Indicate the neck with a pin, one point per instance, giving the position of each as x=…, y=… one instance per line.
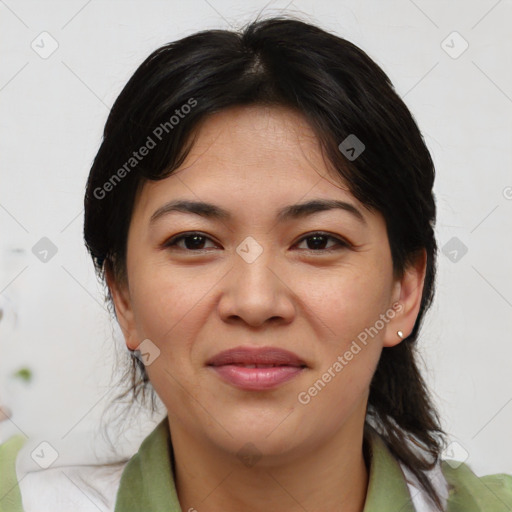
x=330, y=477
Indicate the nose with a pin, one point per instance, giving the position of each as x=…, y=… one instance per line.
x=255, y=293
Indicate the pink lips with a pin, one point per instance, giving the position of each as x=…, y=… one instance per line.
x=256, y=368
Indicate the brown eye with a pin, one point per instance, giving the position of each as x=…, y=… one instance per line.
x=322, y=242
x=190, y=242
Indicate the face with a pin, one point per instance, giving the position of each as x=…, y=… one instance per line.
x=305, y=295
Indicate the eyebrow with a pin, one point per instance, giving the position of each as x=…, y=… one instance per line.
x=294, y=211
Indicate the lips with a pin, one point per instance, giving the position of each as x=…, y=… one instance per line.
x=256, y=369
x=256, y=357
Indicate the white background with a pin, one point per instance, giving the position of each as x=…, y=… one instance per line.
x=53, y=111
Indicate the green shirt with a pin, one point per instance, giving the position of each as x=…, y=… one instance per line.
x=147, y=481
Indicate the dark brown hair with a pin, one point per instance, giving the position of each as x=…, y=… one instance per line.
x=340, y=91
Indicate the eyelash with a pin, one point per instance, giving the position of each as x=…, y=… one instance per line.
x=340, y=242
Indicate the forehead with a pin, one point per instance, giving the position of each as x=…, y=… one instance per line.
x=260, y=152
x=257, y=136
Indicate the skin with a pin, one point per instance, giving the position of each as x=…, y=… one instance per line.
x=192, y=304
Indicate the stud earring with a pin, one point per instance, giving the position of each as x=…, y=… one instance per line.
x=400, y=334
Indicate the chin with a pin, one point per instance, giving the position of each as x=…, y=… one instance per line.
x=269, y=437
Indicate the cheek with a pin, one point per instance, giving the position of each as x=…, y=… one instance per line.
x=348, y=352
x=170, y=306
x=345, y=307
x=171, y=310
x=345, y=301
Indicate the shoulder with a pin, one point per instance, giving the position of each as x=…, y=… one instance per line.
x=460, y=489
x=471, y=493
x=38, y=476
x=10, y=499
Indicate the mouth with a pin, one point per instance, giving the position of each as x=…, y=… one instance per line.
x=256, y=369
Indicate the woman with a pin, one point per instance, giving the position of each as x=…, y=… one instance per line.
x=261, y=210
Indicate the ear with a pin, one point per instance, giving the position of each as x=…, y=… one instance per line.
x=122, y=303
x=406, y=303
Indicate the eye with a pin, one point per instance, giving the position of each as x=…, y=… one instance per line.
x=322, y=242
x=190, y=242
x=314, y=242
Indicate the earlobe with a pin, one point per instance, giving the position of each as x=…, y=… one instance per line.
x=408, y=294
x=123, y=308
